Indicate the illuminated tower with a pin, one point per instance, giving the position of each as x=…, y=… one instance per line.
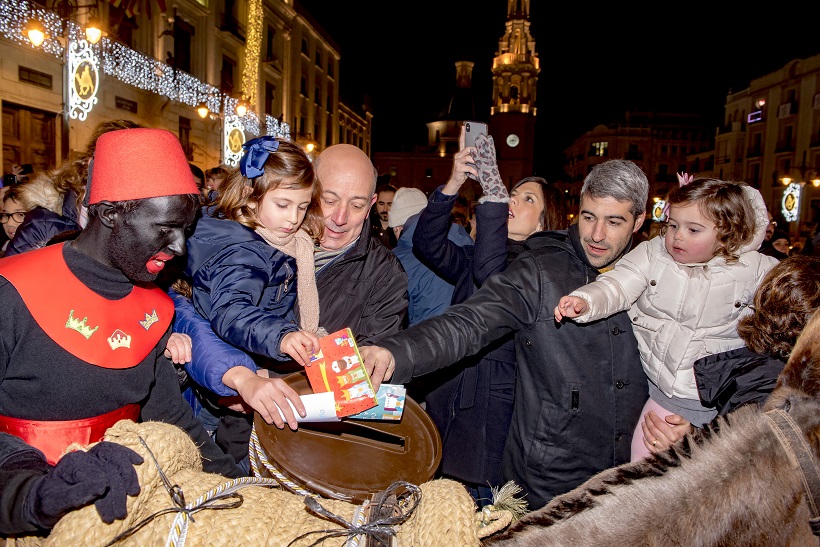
x=515, y=78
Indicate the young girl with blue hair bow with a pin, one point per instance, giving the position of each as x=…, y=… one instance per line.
x=249, y=256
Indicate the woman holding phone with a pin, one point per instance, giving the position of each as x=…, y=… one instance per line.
x=473, y=408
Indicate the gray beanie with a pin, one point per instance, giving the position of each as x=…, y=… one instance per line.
x=406, y=203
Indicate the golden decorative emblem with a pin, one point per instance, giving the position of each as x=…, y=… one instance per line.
x=80, y=326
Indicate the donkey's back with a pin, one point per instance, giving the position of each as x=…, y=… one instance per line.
x=731, y=484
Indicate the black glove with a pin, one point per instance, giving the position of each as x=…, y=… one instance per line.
x=105, y=475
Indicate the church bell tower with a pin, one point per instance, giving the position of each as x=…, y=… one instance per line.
x=515, y=78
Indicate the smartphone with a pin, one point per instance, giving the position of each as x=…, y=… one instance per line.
x=9, y=179
x=473, y=130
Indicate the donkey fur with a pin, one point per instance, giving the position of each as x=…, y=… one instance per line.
x=729, y=484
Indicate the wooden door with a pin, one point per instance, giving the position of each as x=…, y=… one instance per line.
x=29, y=136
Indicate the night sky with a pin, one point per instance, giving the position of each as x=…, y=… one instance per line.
x=596, y=63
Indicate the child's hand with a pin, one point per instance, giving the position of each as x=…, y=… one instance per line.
x=570, y=306
x=264, y=395
x=300, y=345
x=178, y=348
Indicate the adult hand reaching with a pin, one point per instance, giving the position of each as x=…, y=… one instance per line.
x=379, y=363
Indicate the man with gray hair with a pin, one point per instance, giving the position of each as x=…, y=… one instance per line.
x=580, y=388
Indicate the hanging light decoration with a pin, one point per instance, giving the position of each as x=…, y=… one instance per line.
x=36, y=32
x=93, y=30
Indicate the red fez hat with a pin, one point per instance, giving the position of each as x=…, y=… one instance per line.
x=138, y=163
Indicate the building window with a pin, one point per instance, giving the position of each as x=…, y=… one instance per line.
x=183, y=36
x=318, y=58
x=674, y=149
x=185, y=137
x=305, y=46
x=122, y=26
x=428, y=173
x=664, y=149
x=270, y=54
x=316, y=131
x=329, y=101
x=303, y=85
x=317, y=95
x=226, y=81
x=270, y=95
x=600, y=149
x=330, y=68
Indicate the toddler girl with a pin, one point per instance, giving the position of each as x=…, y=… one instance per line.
x=243, y=260
x=685, y=291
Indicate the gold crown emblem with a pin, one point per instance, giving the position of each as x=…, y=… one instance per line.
x=119, y=340
x=80, y=326
x=149, y=320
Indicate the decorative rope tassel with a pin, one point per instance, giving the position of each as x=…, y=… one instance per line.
x=506, y=508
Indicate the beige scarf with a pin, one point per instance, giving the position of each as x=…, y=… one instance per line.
x=299, y=245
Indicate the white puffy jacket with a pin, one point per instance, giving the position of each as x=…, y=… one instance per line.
x=680, y=312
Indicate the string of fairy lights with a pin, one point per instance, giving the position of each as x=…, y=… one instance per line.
x=144, y=72
x=253, y=51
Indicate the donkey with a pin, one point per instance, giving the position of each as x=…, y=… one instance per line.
x=732, y=483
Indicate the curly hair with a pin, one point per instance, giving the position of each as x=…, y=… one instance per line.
x=783, y=303
x=288, y=168
x=725, y=204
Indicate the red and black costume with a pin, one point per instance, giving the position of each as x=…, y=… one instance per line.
x=89, y=343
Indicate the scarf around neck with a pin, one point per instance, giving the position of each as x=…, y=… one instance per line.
x=299, y=245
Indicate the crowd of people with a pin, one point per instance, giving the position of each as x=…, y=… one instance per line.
x=544, y=351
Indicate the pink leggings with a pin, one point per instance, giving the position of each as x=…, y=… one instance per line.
x=639, y=450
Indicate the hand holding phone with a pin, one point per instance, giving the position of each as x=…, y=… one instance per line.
x=471, y=131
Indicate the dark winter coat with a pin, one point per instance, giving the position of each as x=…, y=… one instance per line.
x=471, y=403
x=43, y=223
x=579, y=389
x=244, y=286
x=733, y=378
x=364, y=289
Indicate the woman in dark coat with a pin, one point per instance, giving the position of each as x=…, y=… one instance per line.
x=471, y=403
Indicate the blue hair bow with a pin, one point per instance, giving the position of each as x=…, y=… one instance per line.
x=256, y=154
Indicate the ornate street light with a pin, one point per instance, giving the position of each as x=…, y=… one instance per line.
x=790, y=204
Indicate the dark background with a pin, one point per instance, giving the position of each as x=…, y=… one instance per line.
x=596, y=63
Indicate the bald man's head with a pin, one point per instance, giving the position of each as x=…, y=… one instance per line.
x=348, y=191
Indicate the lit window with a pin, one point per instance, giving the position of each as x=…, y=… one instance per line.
x=600, y=149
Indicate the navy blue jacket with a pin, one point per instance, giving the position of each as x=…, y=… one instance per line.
x=41, y=224
x=472, y=405
x=429, y=294
x=245, y=287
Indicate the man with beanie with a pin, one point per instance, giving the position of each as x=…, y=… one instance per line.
x=82, y=336
x=429, y=294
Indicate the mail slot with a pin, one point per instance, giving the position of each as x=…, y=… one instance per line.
x=351, y=459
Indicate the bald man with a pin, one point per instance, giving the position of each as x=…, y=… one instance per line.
x=362, y=285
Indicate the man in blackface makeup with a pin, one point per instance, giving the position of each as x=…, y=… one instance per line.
x=82, y=335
